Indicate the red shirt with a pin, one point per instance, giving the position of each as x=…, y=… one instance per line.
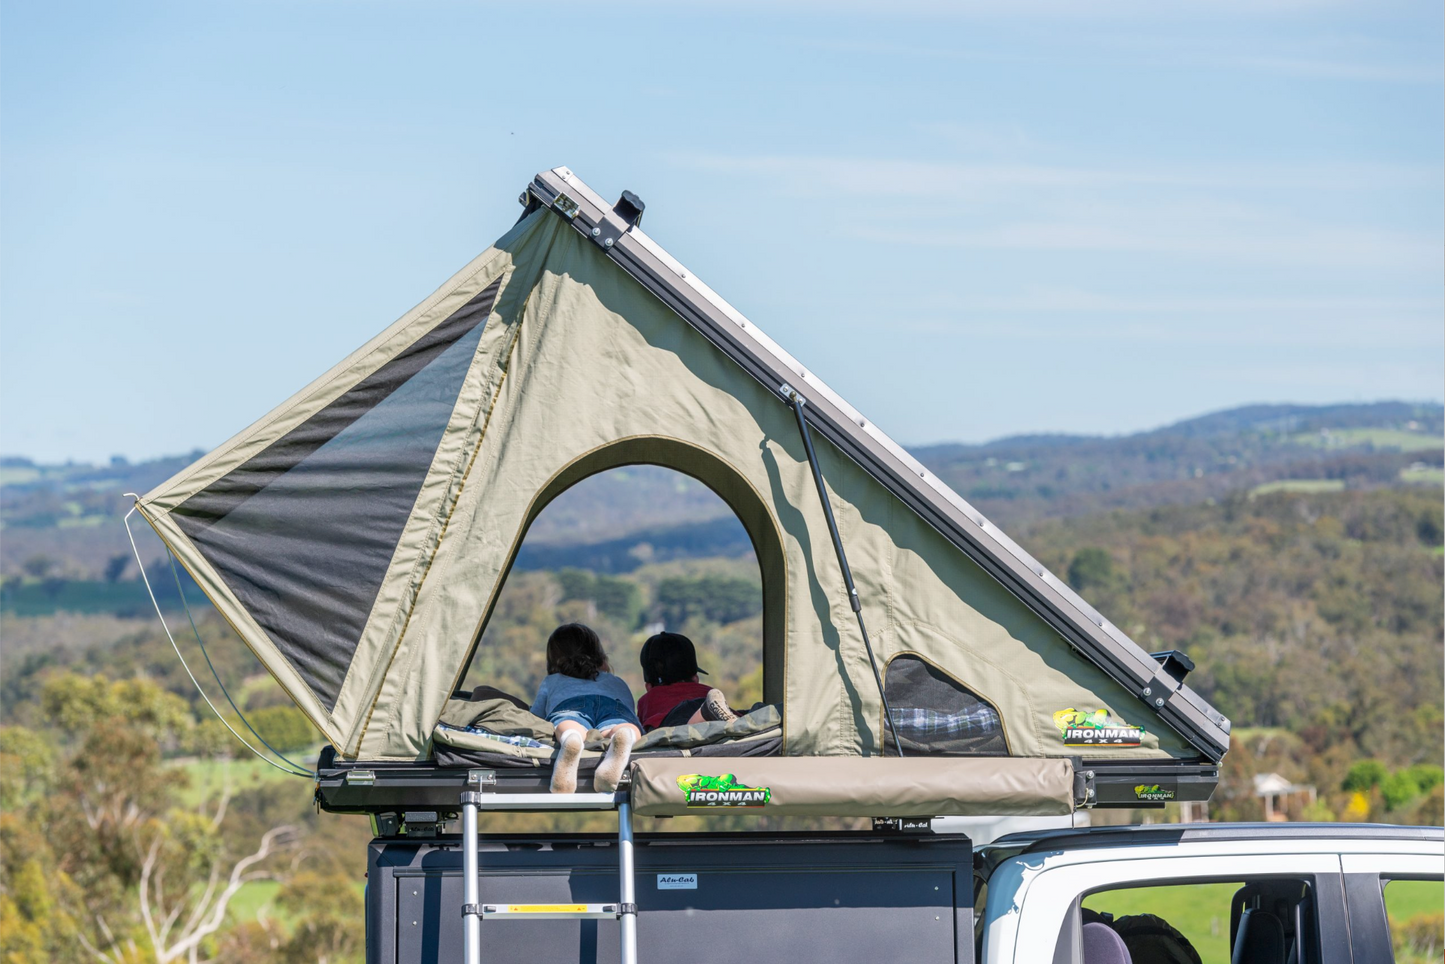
x=657, y=702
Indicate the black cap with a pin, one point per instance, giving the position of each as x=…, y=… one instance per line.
x=669, y=658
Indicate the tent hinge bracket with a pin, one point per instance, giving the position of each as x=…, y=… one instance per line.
x=612, y=225
x=608, y=231
x=1158, y=691
x=1085, y=793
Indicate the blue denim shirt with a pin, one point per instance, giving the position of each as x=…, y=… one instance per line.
x=556, y=688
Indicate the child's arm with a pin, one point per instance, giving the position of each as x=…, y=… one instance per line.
x=540, y=703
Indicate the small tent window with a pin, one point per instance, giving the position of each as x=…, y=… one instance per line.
x=938, y=716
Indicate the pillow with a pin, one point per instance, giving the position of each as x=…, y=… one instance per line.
x=766, y=717
x=500, y=716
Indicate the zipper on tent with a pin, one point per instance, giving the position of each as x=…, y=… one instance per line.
x=798, y=402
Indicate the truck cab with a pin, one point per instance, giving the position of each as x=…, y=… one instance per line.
x=1257, y=893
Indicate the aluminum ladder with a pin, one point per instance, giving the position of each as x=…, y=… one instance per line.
x=474, y=911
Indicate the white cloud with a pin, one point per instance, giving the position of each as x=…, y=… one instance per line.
x=894, y=177
x=1257, y=213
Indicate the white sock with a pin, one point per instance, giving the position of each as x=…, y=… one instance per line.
x=614, y=763
x=564, y=769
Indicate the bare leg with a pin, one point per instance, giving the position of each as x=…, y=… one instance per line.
x=619, y=752
x=569, y=750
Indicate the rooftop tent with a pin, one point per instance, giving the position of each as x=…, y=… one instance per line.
x=357, y=536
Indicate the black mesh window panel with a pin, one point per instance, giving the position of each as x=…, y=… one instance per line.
x=304, y=531
x=936, y=715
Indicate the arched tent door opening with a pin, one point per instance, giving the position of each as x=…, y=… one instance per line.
x=620, y=598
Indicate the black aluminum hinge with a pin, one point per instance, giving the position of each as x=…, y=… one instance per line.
x=626, y=909
x=471, y=910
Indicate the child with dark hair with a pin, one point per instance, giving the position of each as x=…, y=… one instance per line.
x=580, y=694
x=674, y=696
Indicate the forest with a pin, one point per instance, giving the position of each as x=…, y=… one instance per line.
x=134, y=826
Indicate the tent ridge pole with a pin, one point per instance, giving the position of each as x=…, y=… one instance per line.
x=798, y=402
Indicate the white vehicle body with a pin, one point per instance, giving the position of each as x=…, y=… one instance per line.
x=1030, y=914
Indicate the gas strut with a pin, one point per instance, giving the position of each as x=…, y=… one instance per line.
x=798, y=402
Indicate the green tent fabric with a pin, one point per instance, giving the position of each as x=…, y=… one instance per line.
x=357, y=536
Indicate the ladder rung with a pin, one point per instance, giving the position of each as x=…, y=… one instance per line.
x=547, y=801
x=551, y=911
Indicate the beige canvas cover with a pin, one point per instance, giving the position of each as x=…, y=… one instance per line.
x=358, y=535
x=958, y=787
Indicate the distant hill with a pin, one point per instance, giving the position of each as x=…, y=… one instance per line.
x=61, y=522
x=1017, y=480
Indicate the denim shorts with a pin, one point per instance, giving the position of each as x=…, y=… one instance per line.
x=593, y=712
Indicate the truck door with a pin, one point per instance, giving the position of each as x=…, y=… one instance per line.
x=1395, y=905
x=1244, y=908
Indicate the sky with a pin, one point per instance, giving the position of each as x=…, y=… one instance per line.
x=972, y=220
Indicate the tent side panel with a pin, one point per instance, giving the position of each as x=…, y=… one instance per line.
x=303, y=531
x=371, y=453
x=365, y=700
x=241, y=622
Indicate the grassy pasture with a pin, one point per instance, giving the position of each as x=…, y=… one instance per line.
x=1308, y=486
x=1423, y=475
x=1380, y=438
x=210, y=776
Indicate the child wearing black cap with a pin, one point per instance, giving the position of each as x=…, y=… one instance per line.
x=674, y=696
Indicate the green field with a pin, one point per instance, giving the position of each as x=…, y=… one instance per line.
x=209, y=777
x=1423, y=475
x=1310, y=486
x=251, y=898
x=1198, y=911
x=41, y=598
x=1409, y=898
x=1380, y=438
x=1201, y=911
x=19, y=474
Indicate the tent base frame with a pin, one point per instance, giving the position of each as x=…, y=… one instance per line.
x=387, y=791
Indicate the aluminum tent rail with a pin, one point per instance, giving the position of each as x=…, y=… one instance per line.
x=474, y=911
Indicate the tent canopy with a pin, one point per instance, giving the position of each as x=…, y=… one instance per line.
x=358, y=535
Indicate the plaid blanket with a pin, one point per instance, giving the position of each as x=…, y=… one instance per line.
x=927, y=725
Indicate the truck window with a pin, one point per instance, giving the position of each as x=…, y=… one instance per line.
x=1417, y=921
x=1199, y=923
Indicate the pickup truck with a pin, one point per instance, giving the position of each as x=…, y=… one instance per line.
x=1286, y=893
x=1243, y=893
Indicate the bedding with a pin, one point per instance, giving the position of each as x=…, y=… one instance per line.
x=496, y=733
